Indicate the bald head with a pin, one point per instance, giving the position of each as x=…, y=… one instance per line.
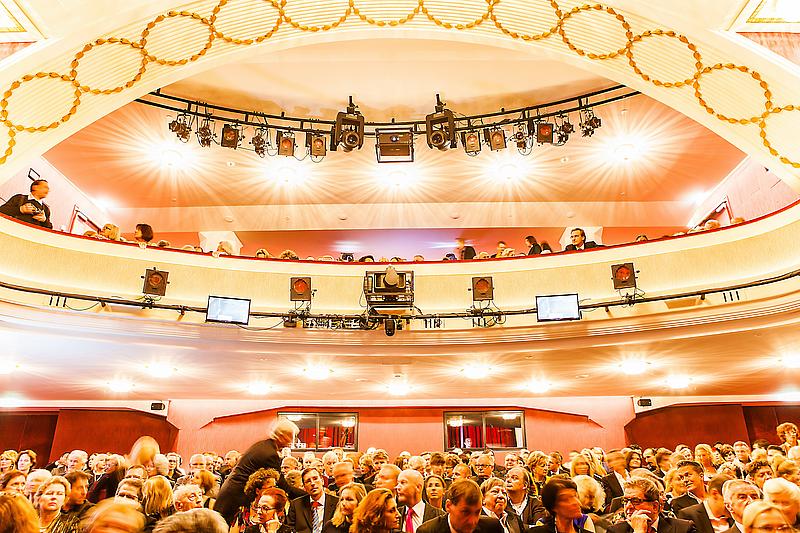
x=409, y=487
x=387, y=477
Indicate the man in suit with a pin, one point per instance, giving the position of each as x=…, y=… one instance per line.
x=484, y=468
x=579, y=242
x=30, y=208
x=690, y=473
x=414, y=512
x=463, y=505
x=307, y=514
x=738, y=494
x=612, y=483
x=262, y=454
x=532, y=245
x=528, y=507
x=711, y=516
x=643, y=506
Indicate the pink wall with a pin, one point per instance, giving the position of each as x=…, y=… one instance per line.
x=578, y=422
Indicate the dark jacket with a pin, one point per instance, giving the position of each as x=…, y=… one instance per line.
x=439, y=524
x=430, y=513
x=665, y=525
x=586, y=245
x=697, y=514
x=299, y=515
x=11, y=208
x=683, y=502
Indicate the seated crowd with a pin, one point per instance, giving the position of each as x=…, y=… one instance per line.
x=32, y=209
x=724, y=488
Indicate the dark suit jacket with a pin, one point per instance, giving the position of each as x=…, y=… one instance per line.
x=535, y=250
x=513, y=521
x=697, y=514
x=533, y=512
x=586, y=246
x=11, y=208
x=665, y=525
x=439, y=524
x=262, y=454
x=468, y=252
x=430, y=513
x=299, y=515
x=612, y=487
x=682, y=503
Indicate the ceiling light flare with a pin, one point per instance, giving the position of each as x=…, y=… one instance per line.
x=317, y=373
x=120, y=385
x=258, y=388
x=678, y=381
x=10, y=402
x=477, y=371
x=8, y=367
x=791, y=361
x=538, y=385
x=161, y=370
x=633, y=367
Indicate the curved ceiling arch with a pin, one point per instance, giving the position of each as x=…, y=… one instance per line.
x=725, y=83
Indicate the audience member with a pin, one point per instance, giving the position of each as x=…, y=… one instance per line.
x=643, y=511
x=194, y=521
x=350, y=496
x=17, y=515
x=377, y=513
x=26, y=461
x=13, y=481
x=30, y=208
x=143, y=234
x=578, y=241
x=112, y=516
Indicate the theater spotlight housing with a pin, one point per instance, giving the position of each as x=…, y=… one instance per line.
x=260, y=142
x=316, y=144
x=394, y=145
x=440, y=129
x=482, y=289
x=624, y=276
x=231, y=136
x=155, y=282
x=495, y=138
x=300, y=289
x=205, y=132
x=544, y=132
x=285, y=142
x=348, y=130
x=471, y=141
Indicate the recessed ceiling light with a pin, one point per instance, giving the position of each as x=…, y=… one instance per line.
x=349, y=422
x=160, y=370
x=538, y=385
x=633, y=367
x=678, y=381
x=565, y=159
x=582, y=376
x=171, y=158
x=317, y=373
x=476, y=371
x=120, y=385
x=7, y=367
x=231, y=163
x=258, y=388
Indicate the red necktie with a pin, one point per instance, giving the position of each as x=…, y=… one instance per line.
x=410, y=521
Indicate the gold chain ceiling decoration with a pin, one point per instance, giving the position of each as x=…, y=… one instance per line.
x=558, y=30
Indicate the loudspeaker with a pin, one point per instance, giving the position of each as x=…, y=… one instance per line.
x=644, y=402
x=158, y=406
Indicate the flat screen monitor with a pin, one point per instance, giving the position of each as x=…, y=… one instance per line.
x=228, y=310
x=557, y=307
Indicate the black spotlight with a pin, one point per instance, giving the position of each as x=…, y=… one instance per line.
x=495, y=138
x=590, y=122
x=471, y=141
x=390, y=326
x=394, y=145
x=231, y=136
x=564, y=129
x=624, y=276
x=300, y=289
x=315, y=142
x=482, y=289
x=205, y=132
x=285, y=142
x=260, y=142
x=181, y=127
x=440, y=127
x=155, y=282
x=349, y=129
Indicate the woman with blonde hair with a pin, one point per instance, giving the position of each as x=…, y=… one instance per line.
x=377, y=513
x=17, y=514
x=112, y=515
x=157, y=498
x=349, y=497
x=597, y=466
x=704, y=455
x=760, y=516
x=51, y=497
x=7, y=461
x=26, y=461
x=205, y=480
x=110, y=232
x=539, y=465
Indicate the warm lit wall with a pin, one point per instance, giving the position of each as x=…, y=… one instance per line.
x=28, y=431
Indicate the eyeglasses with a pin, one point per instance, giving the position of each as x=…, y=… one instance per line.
x=483, y=466
x=265, y=508
x=636, y=501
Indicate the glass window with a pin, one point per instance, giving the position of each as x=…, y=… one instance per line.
x=484, y=429
x=322, y=431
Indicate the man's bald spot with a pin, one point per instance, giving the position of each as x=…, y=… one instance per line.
x=412, y=476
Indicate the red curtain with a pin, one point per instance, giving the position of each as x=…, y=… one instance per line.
x=500, y=437
x=457, y=437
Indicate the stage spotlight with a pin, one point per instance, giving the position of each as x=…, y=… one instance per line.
x=590, y=122
x=389, y=326
x=563, y=130
x=624, y=276
x=521, y=139
x=471, y=141
x=181, y=127
x=285, y=142
x=349, y=129
x=394, y=145
x=300, y=289
x=205, y=132
x=482, y=289
x=231, y=136
x=155, y=282
x=495, y=138
x=315, y=143
x=544, y=132
x=260, y=141
x=440, y=127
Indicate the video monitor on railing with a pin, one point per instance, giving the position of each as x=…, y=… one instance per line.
x=228, y=310
x=557, y=307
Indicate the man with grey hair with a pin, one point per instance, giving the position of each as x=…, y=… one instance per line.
x=784, y=495
x=188, y=497
x=643, y=502
x=738, y=494
x=417, y=462
x=194, y=521
x=262, y=454
x=76, y=461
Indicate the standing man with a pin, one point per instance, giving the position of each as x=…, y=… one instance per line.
x=307, y=514
x=30, y=208
x=262, y=454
